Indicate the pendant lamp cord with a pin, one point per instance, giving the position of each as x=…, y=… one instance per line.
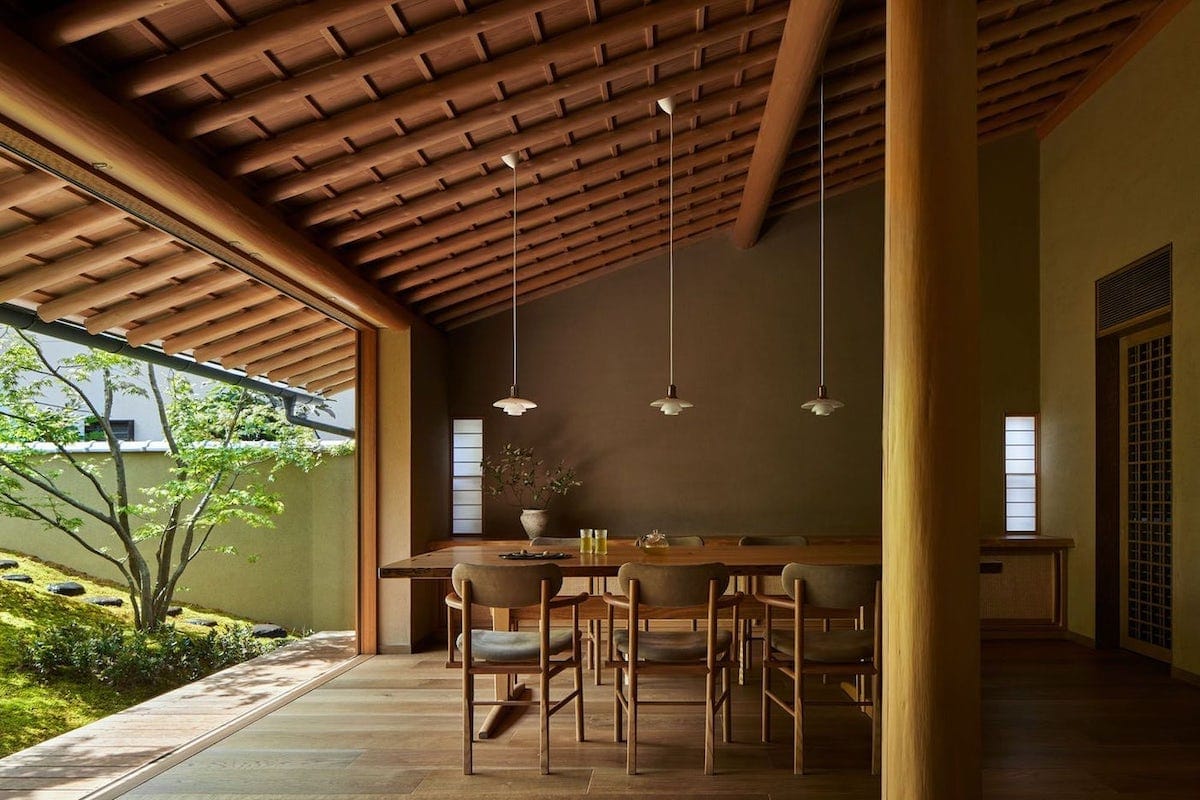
x=514, y=271
x=821, y=218
x=671, y=245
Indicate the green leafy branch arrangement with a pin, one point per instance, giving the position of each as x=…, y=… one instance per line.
x=523, y=480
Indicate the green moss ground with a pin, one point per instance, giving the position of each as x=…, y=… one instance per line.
x=33, y=711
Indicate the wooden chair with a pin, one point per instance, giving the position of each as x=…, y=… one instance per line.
x=760, y=584
x=568, y=544
x=488, y=652
x=823, y=592
x=686, y=591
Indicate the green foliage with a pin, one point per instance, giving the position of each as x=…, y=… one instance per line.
x=35, y=708
x=227, y=445
x=523, y=480
x=110, y=655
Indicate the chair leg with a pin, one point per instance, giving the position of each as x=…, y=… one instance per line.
x=798, y=721
x=544, y=719
x=579, y=701
x=710, y=714
x=726, y=708
x=765, y=711
x=876, y=725
x=618, y=709
x=596, y=629
x=631, y=744
x=468, y=715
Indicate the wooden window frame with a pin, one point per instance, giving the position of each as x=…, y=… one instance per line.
x=1037, y=473
x=450, y=510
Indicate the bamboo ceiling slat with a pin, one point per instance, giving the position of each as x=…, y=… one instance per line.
x=199, y=314
x=48, y=275
x=125, y=312
x=272, y=309
x=154, y=274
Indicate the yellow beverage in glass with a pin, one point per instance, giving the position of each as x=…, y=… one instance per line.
x=600, y=541
x=586, y=542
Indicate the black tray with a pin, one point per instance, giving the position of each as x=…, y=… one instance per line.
x=524, y=555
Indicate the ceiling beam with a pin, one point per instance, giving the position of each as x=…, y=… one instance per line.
x=30, y=186
x=1149, y=27
x=294, y=355
x=224, y=326
x=57, y=105
x=431, y=96
x=197, y=314
x=288, y=28
x=125, y=312
x=264, y=340
x=48, y=275
x=574, y=84
x=805, y=37
x=179, y=266
x=350, y=70
x=63, y=227
x=78, y=20
x=558, y=132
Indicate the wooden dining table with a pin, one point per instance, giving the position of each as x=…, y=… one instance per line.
x=758, y=560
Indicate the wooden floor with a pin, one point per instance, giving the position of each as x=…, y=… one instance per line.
x=1061, y=722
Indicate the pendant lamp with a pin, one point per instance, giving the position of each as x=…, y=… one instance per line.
x=514, y=405
x=671, y=405
x=823, y=405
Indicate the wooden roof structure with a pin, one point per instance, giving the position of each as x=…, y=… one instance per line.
x=374, y=132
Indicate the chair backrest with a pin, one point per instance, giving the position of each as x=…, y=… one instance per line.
x=833, y=586
x=499, y=586
x=671, y=586
x=754, y=541
x=686, y=541
x=554, y=541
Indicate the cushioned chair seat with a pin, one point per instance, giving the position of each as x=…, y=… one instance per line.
x=671, y=645
x=830, y=648
x=509, y=646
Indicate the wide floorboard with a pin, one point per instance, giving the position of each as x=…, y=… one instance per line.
x=1060, y=721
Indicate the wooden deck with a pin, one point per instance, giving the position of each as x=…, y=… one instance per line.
x=168, y=728
x=1060, y=721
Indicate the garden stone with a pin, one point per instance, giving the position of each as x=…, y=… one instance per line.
x=7, y=563
x=174, y=611
x=111, y=602
x=267, y=630
x=204, y=623
x=18, y=578
x=66, y=589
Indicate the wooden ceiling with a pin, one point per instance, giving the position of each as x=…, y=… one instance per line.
x=377, y=129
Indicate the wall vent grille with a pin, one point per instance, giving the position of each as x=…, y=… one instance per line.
x=1134, y=293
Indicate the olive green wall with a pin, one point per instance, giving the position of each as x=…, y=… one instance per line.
x=746, y=459
x=304, y=575
x=1120, y=178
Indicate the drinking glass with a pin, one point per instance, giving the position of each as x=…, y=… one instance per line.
x=586, y=542
x=600, y=541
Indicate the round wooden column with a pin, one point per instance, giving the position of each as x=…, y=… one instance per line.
x=931, y=406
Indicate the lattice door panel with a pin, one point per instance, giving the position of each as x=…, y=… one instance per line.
x=1146, y=492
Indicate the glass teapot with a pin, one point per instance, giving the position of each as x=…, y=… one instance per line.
x=653, y=540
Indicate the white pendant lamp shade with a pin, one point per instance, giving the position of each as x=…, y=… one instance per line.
x=514, y=405
x=671, y=405
x=822, y=405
